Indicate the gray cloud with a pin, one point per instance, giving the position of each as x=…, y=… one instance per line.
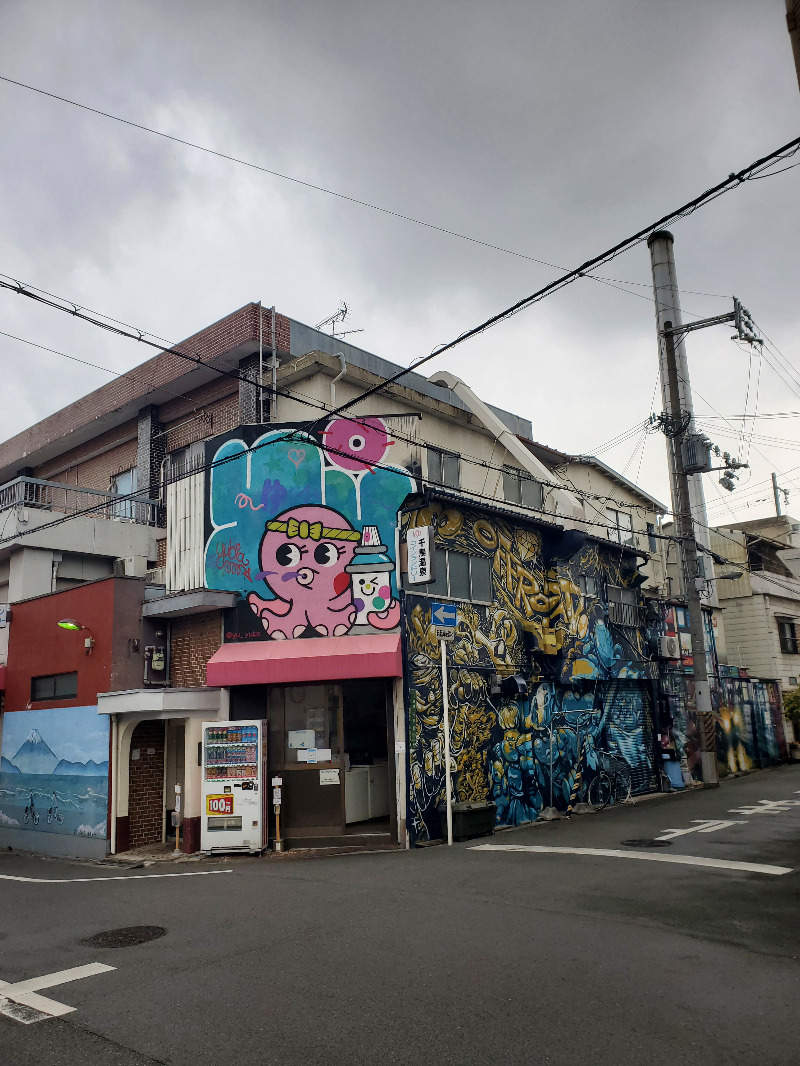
x=550, y=129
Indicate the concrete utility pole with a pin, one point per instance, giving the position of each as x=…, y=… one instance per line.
x=776, y=492
x=688, y=502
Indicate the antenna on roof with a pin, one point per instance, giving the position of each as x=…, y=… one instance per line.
x=337, y=316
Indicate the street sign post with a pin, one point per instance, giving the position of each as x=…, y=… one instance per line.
x=444, y=617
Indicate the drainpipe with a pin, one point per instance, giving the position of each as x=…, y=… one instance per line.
x=339, y=376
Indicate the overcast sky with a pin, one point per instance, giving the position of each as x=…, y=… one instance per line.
x=554, y=129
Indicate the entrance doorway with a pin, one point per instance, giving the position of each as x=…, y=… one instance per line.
x=146, y=784
x=330, y=744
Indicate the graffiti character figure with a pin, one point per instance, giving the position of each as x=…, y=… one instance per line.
x=356, y=446
x=304, y=554
x=372, y=591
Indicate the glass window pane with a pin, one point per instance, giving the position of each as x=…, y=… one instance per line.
x=532, y=494
x=451, y=471
x=437, y=587
x=458, y=565
x=66, y=685
x=311, y=721
x=625, y=528
x=511, y=486
x=612, y=516
x=43, y=688
x=481, y=571
x=434, y=466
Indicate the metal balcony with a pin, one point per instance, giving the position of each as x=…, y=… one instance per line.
x=72, y=499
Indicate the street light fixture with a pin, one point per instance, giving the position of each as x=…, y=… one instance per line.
x=74, y=626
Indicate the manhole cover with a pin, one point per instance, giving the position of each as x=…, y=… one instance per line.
x=127, y=937
x=646, y=843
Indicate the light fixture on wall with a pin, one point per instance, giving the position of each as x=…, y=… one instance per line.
x=75, y=626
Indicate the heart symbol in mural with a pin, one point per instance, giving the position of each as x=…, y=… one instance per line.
x=296, y=456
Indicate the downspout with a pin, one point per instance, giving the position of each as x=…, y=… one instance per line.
x=572, y=507
x=339, y=376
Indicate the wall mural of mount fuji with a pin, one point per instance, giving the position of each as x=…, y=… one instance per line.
x=54, y=771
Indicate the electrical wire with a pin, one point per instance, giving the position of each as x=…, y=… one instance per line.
x=320, y=188
x=309, y=401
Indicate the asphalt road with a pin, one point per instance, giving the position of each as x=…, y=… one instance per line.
x=439, y=956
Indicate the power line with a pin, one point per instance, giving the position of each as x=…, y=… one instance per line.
x=321, y=188
x=308, y=401
x=531, y=514
x=731, y=182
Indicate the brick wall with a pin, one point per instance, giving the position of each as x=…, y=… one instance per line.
x=233, y=331
x=193, y=641
x=217, y=416
x=92, y=464
x=146, y=785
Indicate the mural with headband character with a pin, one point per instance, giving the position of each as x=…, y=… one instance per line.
x=302, y=525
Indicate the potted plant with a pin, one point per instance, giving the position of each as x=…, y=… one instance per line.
x=791, y=711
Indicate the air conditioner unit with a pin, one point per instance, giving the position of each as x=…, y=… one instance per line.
x=130, y=566
x=669, y=648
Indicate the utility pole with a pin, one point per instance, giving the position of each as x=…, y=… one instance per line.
x=776, y=492
x=688, y=502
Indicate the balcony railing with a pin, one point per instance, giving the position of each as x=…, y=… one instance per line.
x=628, y=615
x=72, y=499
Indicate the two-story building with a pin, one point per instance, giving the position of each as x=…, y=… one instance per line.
x=272, y=527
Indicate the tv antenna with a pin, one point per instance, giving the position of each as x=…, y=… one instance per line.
x=338, y=316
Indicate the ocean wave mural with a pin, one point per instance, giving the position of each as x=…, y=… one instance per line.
x=54, y=772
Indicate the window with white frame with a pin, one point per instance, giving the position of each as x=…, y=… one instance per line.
x=124, y=484
x=519, y=487
x=444, y=468
x=457, y=576
x=621, y=526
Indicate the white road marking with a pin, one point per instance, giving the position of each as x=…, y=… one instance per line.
x=680, y=860
x=766, y=807
x=94, y=880
x=35, y=1008
x=700, y=826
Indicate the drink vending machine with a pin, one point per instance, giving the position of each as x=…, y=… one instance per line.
x=234, y=797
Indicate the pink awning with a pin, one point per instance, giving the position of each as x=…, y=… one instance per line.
x=285, y=662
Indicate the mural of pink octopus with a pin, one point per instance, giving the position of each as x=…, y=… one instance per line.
x=304, y=553
x=356, y=446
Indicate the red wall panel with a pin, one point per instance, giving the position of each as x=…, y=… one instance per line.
x=37, y=646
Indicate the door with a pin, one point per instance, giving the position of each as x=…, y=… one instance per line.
x=306, y=751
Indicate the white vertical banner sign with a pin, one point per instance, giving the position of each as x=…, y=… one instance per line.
x=420, y=558
x=448, y=783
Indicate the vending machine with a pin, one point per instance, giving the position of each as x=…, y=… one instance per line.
x=234, y=797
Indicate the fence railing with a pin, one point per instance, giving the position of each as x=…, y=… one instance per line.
x=72, y=499
x=628, y=615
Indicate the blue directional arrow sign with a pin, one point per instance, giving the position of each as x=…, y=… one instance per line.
x=444, y=614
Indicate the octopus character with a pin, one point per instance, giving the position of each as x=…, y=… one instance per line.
x=356, y=446
x=304, y=555
x=371, y=570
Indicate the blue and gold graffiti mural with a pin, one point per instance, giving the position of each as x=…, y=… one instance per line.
x=302, y=526
x=546, y=621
